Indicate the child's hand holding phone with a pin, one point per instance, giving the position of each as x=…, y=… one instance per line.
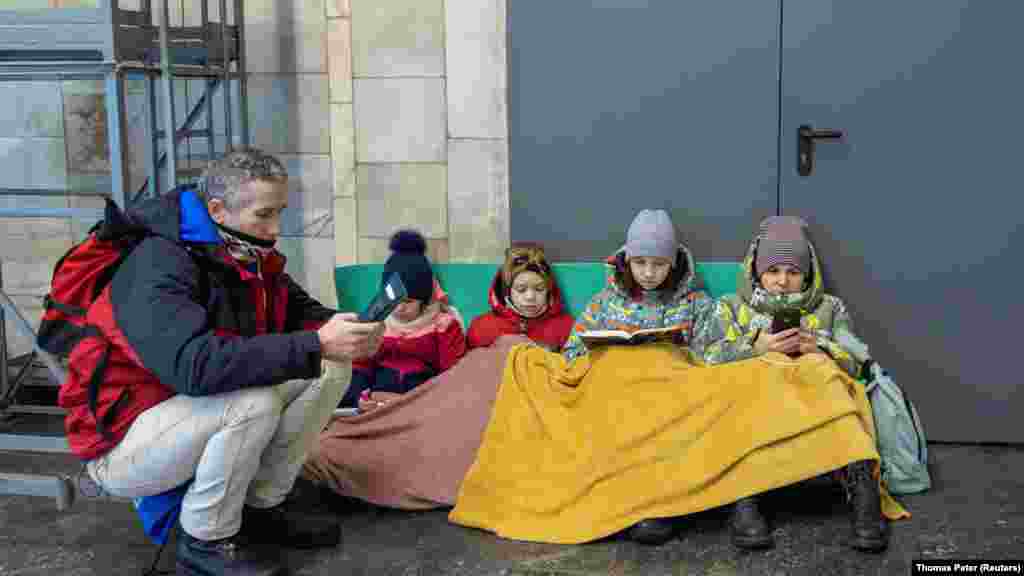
x=785, y=342
x=808, y=343
x=785, y=334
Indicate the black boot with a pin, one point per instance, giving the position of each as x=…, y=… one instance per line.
x=226, y=557
x=286, y=526
x=870, y=529
x=653, y=531
x=749, y=528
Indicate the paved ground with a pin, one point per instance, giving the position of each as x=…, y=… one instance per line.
x=975, y=510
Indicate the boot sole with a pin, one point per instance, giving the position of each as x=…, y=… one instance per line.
x=648, y=540
x=748, y=543
x=865, y=545
x=186, y=568
x=327, y=540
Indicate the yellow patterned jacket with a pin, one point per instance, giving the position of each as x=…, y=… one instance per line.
x=728, y=332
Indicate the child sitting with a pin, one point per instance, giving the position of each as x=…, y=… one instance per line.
x=524, y=300
x=412, y=452
x=653, y=284
x=423, y=335
x=781, y=272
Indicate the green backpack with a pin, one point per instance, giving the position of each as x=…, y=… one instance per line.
x=901, y=441
x=900, y=438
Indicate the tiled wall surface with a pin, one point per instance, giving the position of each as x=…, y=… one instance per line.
x=388, y=113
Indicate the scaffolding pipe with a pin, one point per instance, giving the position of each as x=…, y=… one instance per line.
x=208, y=83
x=205, y=101
x=226, y=68
x=166, y=68
x=115, y=104
x=45, y=192
x=152, y=144
x=79, y=213
x=243, y=93
x=56, y=371
x=4, y=382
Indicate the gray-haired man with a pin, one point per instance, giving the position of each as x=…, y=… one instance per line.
x=218, y=381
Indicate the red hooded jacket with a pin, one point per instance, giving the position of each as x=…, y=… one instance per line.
x=550, y=328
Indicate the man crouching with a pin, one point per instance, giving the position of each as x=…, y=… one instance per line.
x=211, y=372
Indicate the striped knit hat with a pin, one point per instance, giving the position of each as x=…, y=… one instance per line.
x=782, y=240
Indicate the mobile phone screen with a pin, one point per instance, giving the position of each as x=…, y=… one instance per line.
x=785, y=320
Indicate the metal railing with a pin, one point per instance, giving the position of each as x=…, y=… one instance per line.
x=113, y=45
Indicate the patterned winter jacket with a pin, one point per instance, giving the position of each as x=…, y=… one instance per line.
x=728, y=333
x=614, y=309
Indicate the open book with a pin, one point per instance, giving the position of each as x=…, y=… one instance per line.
x=604, y=337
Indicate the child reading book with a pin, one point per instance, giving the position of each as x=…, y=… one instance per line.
x=652, y=287
x=652, y=290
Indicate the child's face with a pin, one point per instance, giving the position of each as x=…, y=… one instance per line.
x=650, y=271
x=530, y=293
x=408, y=310
x=782, y=279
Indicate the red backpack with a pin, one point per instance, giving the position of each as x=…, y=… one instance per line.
x=79, y=277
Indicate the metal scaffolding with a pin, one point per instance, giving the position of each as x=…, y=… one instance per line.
x=115, y=45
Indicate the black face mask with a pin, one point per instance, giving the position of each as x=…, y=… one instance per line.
x=258, y=242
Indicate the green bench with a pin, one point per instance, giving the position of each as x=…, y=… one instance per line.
x=467, y=285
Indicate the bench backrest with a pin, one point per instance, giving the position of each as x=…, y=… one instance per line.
x=467, y=284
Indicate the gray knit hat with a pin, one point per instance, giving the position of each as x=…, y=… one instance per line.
x=782, y=240
x=652, y=234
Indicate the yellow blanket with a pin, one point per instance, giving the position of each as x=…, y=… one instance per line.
x=577, y=451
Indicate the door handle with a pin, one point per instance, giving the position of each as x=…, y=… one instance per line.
x=806, y=136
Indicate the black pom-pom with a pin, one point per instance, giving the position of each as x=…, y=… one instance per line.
x=408, y=241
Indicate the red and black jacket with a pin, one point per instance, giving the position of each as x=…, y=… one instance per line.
x=551, y=328
x=183, y=317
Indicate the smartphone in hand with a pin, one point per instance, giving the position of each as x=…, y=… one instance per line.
x=784, y=320
x=384, y=303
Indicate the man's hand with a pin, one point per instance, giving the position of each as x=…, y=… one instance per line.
x=786, y=342
x=342, y=338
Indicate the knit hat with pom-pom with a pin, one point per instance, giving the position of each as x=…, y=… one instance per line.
x=408, y=249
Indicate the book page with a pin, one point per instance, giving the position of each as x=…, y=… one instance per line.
x=650, y=331
x=605, y=334
x=596, y=337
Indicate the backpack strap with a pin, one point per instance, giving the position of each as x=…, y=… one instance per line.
x=49, y=302
x=96, y=380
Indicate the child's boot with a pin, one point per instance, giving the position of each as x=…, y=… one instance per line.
x=749, y=528
x=870, y=529
x=653, y=531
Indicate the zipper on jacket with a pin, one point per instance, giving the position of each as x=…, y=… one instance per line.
x=267, y=311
